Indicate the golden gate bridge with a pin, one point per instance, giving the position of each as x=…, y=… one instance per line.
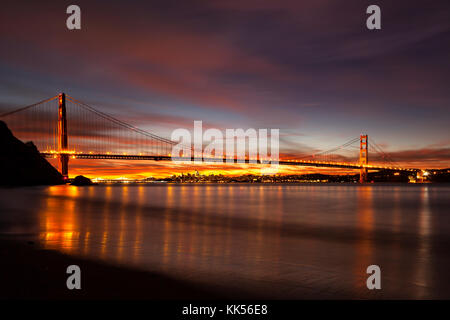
x=63, y=127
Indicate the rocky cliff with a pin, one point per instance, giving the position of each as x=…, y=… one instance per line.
x=21, y=164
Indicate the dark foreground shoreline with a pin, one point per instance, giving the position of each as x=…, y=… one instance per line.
x=29, y=272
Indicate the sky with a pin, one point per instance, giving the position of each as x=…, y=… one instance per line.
x=309, y=68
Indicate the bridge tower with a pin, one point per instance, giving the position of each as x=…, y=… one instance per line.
x=62, y=136
x=363, y=157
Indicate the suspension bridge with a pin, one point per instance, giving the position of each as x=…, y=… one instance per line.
x=63, y=127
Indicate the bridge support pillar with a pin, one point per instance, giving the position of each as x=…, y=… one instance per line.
x=64, y=160
x=363, y=157
x=62, y=136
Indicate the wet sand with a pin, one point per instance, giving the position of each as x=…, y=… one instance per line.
x=29, y=272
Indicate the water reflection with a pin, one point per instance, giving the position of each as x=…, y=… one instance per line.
x=60, y=230
x=278, y=240
x=138, y=240
x=424, y=258
x=365, y=226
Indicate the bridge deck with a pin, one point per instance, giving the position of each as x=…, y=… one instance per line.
x=327, y=164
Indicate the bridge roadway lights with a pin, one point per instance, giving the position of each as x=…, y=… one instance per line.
x=64, y=158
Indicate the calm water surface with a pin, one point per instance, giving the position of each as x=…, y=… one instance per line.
x=274, y=241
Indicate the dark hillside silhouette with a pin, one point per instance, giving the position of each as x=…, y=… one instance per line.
x=21, y=164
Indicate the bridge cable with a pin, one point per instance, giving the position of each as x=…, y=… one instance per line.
x=27, y=107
